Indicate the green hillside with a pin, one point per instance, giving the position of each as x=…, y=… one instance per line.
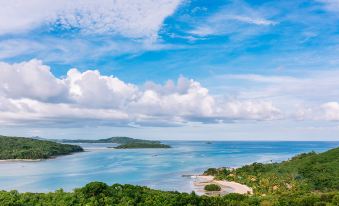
x=304, y=172
x=28, y=148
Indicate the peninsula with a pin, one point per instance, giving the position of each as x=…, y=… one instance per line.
x=21, y=148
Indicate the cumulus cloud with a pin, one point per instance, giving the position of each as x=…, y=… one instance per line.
x=132, y=18
x=29, y=80
x=309, y=97
x=30, y=93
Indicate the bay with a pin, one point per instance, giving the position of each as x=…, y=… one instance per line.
x=156, y=168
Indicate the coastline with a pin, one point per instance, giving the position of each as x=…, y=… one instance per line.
x=22, y=160
x=200, y=181
x=38, y=160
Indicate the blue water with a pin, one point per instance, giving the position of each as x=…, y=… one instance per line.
x=156, y=168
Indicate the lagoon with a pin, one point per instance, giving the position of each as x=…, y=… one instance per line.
x=155, y=168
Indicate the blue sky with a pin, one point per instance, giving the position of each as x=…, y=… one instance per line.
x=187, y=69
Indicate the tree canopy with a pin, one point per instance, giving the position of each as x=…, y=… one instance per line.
x=28, y=148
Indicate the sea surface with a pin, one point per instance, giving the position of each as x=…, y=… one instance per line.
x=155, y=168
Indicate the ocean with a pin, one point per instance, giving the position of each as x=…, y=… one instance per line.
x=156, y=168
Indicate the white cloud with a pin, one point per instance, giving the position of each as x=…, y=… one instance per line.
x=312, y=96
x=132, y=18
x=30, y=93
x=30, y=80
x=331, y=111
x=252, y=20
x=237, y=17
x=17, y=47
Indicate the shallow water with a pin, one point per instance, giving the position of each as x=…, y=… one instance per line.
x=156, y=168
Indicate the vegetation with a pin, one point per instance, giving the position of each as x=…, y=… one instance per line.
x=117, y=140
x=141, y=145
x=217, y=171
x=28, y=148
x=125, y=142
x=212, y=187
x=309, y=172
x=100, y=194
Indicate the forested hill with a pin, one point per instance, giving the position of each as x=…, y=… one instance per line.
x=117, y=140
x=308, y=172
x=124, y=142
x=28, y=148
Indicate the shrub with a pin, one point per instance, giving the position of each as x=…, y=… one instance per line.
x=212, y=187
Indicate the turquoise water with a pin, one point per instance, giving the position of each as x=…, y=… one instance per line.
x=156, y=168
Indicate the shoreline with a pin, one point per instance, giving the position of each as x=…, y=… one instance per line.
x=22, y=160
x=200, y=181
x=38, y=160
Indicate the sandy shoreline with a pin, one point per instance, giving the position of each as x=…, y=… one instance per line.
x=21, y=160
x=200, y=181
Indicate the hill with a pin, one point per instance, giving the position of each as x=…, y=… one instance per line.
x=117, y=140
x=306, y=172
x=28, y=148
x=124, y=142
x=140, y=145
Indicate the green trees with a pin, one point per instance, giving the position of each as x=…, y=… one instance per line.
x=302, y=173
x=100, y=194
x=218, y=172
x=212, y=187
x=140, y=145
x=27, y=148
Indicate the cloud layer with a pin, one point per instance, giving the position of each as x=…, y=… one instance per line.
x=132, y=18
x=31, y=94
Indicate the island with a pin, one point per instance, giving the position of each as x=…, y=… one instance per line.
x=124, y=142
x=139, y=145
x=22, y=148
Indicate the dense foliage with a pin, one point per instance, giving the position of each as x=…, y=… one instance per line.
x=100, y=194
x=141, y=145
x=212, y=187
x=303, y=173
x=27, y=148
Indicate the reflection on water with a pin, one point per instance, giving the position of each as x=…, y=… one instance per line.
x=156, y=168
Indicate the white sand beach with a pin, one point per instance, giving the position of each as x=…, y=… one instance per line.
x=21, y=160
x=200, y=181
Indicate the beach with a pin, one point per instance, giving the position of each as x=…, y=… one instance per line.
x=200, y=181
x=21, y=160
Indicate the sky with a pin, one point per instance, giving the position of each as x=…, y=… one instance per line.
x=170, y=69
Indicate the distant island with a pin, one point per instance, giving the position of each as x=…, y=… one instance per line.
x=124, y=142
x=22, y=148
x=136, y=145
